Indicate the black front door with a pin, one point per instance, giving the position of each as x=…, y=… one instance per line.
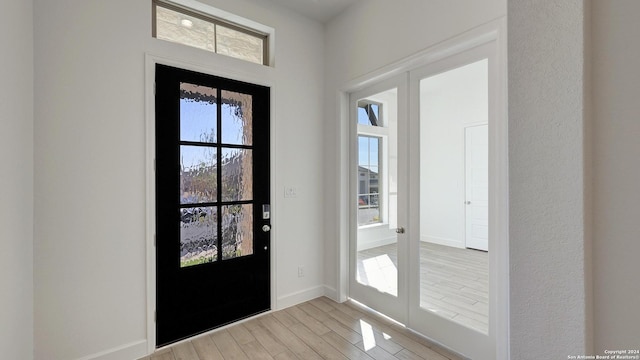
x=212, y=196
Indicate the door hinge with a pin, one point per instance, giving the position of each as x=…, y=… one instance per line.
x=154, y=164
x=154, y=240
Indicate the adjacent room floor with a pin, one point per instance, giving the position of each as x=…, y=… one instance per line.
x=453, y=282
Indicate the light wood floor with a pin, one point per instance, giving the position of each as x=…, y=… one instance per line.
x=317, y=329
x=453, y=282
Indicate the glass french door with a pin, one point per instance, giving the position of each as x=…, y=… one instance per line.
x=421, y=200
x=379, y=197
x=452, y=110
x=212, y=202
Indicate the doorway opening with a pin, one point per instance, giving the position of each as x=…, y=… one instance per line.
x=428, y=247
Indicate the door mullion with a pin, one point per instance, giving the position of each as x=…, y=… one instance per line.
x=219, y=169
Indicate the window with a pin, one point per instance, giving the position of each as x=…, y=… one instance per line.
x=192, y=28
x=369, y=177
x=369, y=163
x=369, y=113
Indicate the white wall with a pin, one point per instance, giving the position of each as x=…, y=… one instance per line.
x=90, y=166
x=16, y=179
x=448, y=102
x=366, y=37
x=548, y=246
x=616, y=147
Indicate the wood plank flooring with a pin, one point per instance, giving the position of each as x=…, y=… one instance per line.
x=453, y=282
x=317, y=329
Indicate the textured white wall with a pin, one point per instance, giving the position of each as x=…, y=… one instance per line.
x=616, y=149
x=366, y=37
x=16, y=180
x=90, y=165
x=549, y=313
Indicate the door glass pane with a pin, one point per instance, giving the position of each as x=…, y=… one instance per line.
x=198, y=235
x=236, y=118
x=237, y=174
x=198, y=174
x=237, y=231
x=198, y=113
x=454, y=122
x=377, y=260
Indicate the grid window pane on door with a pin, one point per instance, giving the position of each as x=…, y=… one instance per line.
x=237, y=231
x=216, y=171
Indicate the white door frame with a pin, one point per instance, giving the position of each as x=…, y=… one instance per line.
x=493, y=32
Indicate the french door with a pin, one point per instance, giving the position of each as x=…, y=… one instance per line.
x=379, y=197
x=409, y=254
x=212, y=202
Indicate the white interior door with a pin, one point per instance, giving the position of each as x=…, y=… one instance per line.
x=378, y=243
x=477, y=187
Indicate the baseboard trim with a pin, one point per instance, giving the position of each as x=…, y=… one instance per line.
x=443, y=241
x=376, y=243
x=300, y=296
x=331, y=293
x=131, y=351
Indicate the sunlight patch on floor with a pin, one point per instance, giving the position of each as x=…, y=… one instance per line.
x=368, y=339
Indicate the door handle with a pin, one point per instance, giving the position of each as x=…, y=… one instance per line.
x=266, y=228
x=400, y=230
x=468, y=202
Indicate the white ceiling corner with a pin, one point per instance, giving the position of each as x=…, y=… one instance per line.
x=321, y=10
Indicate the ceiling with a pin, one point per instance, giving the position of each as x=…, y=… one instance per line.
x=321, y=10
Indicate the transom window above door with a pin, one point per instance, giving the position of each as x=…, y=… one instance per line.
x=369, y=113
x=179, y=24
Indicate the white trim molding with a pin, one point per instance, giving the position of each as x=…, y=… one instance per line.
x=301, y=296
x=132, y=350
x=234, y=19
